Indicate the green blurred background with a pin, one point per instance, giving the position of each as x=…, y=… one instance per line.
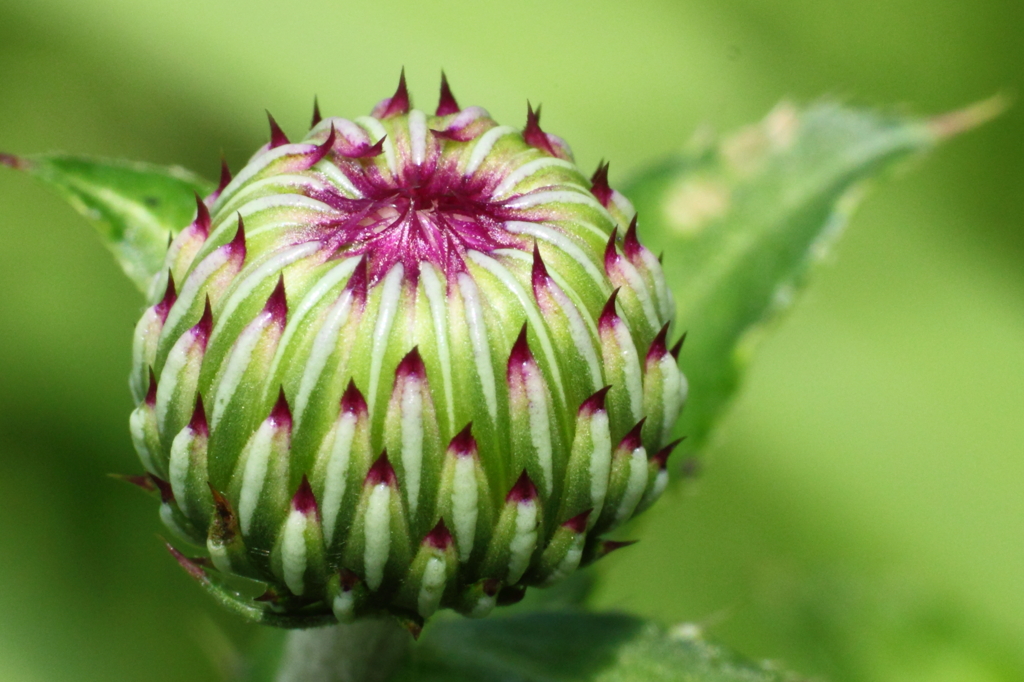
x=860, y=514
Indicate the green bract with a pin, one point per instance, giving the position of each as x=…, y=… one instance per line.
x=410, y=362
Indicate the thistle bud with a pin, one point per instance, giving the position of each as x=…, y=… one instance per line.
x=406, y=363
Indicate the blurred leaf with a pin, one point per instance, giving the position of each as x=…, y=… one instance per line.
x=849, y=627
x=571, y=646
x=135, y=207
x=741, y=219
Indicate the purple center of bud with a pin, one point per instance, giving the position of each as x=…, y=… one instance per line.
x=429, y=190
x=428, y=213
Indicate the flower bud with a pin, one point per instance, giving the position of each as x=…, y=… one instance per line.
x=406, y=363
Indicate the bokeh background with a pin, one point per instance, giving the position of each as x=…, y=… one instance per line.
x=860, y=514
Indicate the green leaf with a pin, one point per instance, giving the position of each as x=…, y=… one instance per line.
x=741, y=220
x=135, y=207
x=571, y=647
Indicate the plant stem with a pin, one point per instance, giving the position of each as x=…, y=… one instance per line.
x=364, y=651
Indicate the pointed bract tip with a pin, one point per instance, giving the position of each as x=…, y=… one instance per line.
x=324, y=149
x=608, y=546
x=633, y=440
x=611, y=256
x=446, y=105
x=304, y=501
x=163, y=307
x=382, y=472
x=237, y=244
x=540, y=271
x=281, y=414
x=595, y=402
x=277, y=302
x=190, y=566
x=277, y=136
x=150, y=399
x=222, y=507
x=608, y=314
x=202, y=220
x=578, y=523
x=399, y=102
x=205, y=324
x=142, y=481
x=359, y=281
x=661, y=456
x=523, y=491
x=520, y=353
x=225, y=176
x=463, y=444
x=532, y=133
x=678, y=347
x=411, y=365
x=375, y=150
x=316, y=112
x=353, y=401
x=658, y=348
x=198, y=422
x=166, y=493
x=446, y=135
x=532, y=115
x=599, y=184
x=439, y=536
x=631, y=243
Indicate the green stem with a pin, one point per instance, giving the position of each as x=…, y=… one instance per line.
x=364, y=651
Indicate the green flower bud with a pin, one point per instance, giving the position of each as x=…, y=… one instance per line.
x=407, y=363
